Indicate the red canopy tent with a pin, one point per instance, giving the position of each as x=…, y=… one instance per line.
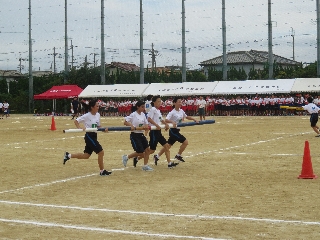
x=60, y=92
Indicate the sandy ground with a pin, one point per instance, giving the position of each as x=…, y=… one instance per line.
x=239, y=181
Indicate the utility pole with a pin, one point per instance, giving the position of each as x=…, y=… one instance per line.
x=20, y=64
x=184, y=57
x=141, y=46
x=94, y=59
x=65, y=42
x=71, y=55
x=292, y=35
x=318, y=38
x=270, y=53
x=54, y=59
x=224, y=41
x=30, y=64
x=103, y=65
x=86, y=61
x=154, y=54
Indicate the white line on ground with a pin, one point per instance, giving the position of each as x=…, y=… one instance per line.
x=49, y=183
x=58, y=181
x=105, y=230
x=193, y=155
x=160, y=214
x=244, y=145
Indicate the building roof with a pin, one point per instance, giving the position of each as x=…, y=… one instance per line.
x=10, y=73
x=41, y=73
x=248, y=57
x=128, y=67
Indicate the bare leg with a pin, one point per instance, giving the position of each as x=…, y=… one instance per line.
x=135, y=154
x=183, y=147
x=146, y=156
x=80, y=155
x=100, y=160
x=163, y=150
x=167, y=151
x=316, y=129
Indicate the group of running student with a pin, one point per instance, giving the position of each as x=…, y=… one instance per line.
x=140, y=120
x=147, y=115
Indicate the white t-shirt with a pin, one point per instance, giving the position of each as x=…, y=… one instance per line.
x=155, y=115
x=148, y=105
x=201, y=103
x=1, y=105
x=6, y=106
x=89, y=120
x=311, y=108
x=137, y=120
x=176, y=116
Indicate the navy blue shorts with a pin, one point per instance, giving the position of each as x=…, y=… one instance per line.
x=175, y=136
x=139, y=142
x=92, y=144
x=314, y=119
x=155, y=138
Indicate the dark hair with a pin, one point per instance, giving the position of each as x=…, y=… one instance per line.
x=149, y=97
x=138, y=104
x=154, y=98
x=176, y=99
x=92, y=103
x=310, y=99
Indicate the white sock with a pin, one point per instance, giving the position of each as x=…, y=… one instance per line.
x=178, y=155
x=101, y=170
x=69, y=155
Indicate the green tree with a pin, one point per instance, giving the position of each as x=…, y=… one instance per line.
x=214, y=74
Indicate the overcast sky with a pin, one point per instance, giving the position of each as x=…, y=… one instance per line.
x=246, y=29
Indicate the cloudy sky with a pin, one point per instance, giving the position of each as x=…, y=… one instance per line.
x=246, y=29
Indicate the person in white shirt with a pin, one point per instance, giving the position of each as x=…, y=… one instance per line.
x=1, y=110
x=154, y=119
x=138, y=123
x=176, y=116
x=314, y=111
x=90, y=120
x=148, y=104
x=5, y=109
x=201, y=103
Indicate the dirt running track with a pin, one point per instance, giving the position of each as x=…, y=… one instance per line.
x=239, y=181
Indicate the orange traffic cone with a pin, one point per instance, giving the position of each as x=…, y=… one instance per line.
x=307, y=171
x=53, y=124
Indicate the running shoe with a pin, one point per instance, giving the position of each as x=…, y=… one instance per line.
x=105, y=173
x=179, y=158
x=156, y=159
x=173, y=164
x=66, y=157
x=135, y=161
x=125, y=160
x=147, y=168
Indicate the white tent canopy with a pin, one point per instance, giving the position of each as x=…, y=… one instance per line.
x=233, y=87
x=203, y=88
x=117, y=90
x=254, y=86
x=180, y=89
x=273, y=86
x=306, y=85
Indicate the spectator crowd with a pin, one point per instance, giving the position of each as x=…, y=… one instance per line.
x=269, y=105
